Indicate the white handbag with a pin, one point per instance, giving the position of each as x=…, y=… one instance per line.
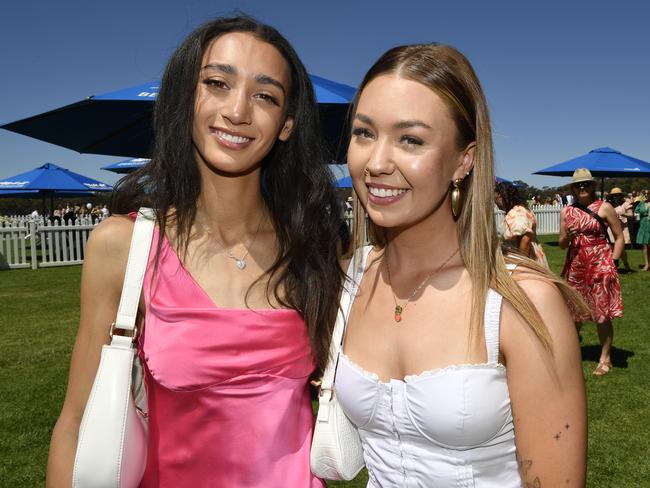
x=112, y=443
x=336, y=450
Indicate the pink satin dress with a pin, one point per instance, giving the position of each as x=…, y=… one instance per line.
x=228, y=399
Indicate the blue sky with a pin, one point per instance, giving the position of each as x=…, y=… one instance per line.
x=561, y=77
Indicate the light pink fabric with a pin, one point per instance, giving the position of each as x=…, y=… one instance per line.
x=518, y=222
x=227, y=389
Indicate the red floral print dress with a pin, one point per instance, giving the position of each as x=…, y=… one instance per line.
x=590, y=268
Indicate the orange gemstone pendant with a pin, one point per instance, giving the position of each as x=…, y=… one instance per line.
x=398, y=313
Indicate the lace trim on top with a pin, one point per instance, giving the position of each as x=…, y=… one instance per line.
x=410, y=378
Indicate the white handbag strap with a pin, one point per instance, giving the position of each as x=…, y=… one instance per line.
x=353, y=277
x=135, y=269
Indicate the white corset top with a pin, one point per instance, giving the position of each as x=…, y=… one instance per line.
x=448, y=427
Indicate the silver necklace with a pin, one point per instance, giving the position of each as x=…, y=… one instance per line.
x=400, y=308
x=239, y=262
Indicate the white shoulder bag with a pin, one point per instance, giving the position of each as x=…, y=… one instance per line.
x=336, y=451
x=112, y=444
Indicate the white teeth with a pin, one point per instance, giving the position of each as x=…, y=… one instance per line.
x=233, y=139
x=385, y=192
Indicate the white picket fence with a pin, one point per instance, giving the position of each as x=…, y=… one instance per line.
x=21, y=239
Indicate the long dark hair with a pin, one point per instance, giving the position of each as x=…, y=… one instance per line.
x=295, y=183
x=510, y=195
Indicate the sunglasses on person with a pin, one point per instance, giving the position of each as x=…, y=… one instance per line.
x=582, y=185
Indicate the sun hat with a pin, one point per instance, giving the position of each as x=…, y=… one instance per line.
x=616, y=191
x=580, y=175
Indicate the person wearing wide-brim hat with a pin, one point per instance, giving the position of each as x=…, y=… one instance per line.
x=643, y=234
x=589, y=265
x=580, y=175
x=624, y=210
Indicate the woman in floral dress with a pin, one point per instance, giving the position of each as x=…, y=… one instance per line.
x=519, y=224
x=589, y=266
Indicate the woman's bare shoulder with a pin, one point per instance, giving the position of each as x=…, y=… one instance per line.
x=606, y=206
x=541, y=291
x=108, y=246
x=113, y=235
x=546, y=297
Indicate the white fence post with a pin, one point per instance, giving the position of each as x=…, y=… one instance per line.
x=13, y=248
x=32, y=245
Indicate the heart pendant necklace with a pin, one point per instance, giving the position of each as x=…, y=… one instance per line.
x=239, y=262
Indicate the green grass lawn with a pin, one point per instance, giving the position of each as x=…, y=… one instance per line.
x=38, y=321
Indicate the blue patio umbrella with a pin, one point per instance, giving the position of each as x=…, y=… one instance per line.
x=603, y=162
x=126, y=166
x=345, y=182
x=331, y=92
x=118, y=123
x=50, y=180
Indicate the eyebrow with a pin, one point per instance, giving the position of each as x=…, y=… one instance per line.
x=231, y=70
x=402, y=124
x=407, y=124
x=363, y=118
x=267, y=80
x=225, y=68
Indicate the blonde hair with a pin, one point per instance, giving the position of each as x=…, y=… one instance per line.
x=449, y=74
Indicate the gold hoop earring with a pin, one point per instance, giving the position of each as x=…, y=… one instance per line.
x=456, y=200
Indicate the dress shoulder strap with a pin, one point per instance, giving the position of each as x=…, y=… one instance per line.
x=492, y=321
x=350, y=287
x=360, y=258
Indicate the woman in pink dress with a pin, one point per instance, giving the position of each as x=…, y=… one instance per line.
x=589, y=266
x=242, y=274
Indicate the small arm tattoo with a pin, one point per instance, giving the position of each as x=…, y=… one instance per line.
x=524, y=466
x=535, y=484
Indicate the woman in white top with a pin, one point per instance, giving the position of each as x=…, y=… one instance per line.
x=447, y=386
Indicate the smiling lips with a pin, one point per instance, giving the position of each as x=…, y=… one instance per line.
x=231, y=140
x=383, y=195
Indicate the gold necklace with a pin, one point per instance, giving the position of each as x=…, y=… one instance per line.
x=400, y=308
